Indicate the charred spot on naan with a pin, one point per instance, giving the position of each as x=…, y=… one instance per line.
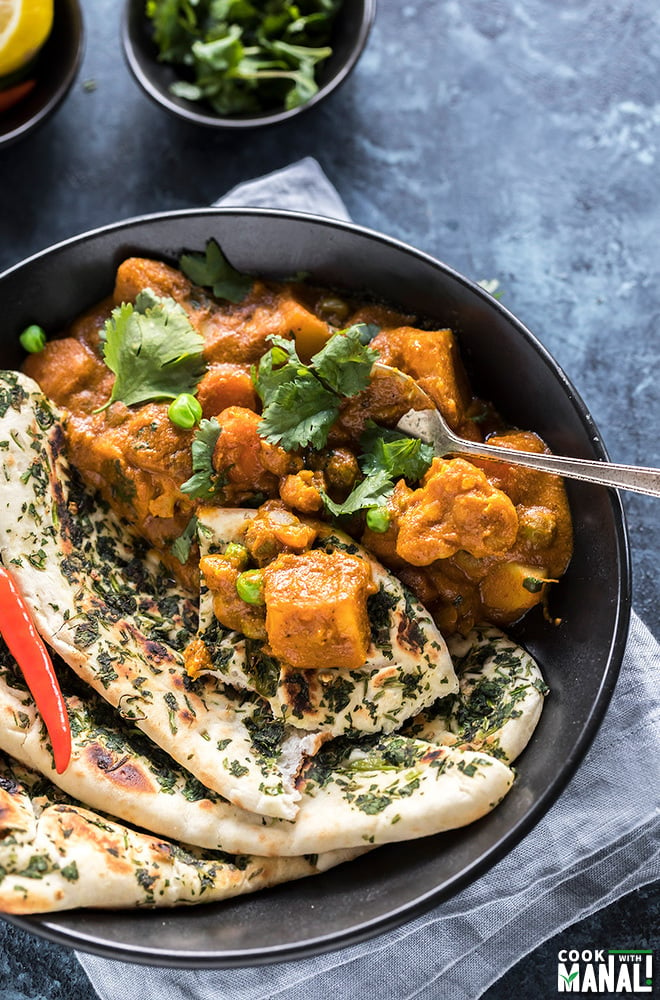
x=122, y=773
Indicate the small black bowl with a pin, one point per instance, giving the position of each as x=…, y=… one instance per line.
x=351, y=30
x=55, y=70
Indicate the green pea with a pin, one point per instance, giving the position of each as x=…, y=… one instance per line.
x=250, y=586
x=378, y=519
x=237, y=555
x=185, y=411
x=33, y=339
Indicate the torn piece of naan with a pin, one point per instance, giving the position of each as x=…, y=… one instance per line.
x=112, y=613
x=56, y=855
x=500, y=697
x=407, y=665
x=368, y=790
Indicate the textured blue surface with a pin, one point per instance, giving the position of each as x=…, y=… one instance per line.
x=517, y=141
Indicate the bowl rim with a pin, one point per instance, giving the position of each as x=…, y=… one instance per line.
x=57, y=96
x=45, y=925
x=188, y=112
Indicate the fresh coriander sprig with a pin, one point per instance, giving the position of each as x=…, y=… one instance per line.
x=387, y=455
x=373, y=491
x=400, y=456
x=153, y=350
x=205, y=482
x=242, y=57
x=181, y=546
x=211, y=269
x=302, y=401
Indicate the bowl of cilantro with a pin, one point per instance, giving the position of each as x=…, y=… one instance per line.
x=237, y=65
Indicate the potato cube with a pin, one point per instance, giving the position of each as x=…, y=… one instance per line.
x=316, y=609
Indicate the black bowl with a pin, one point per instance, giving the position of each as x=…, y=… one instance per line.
x=55, y=70
x=351, y=30
x=580, y=658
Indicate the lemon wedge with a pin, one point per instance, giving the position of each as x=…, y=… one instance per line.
x=24, y=27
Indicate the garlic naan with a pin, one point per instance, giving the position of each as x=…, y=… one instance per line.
x=57, y=855
x=367, y=790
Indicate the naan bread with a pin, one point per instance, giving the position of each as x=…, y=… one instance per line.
x=195, y=760
x=112, y=614
x=500, y=698
x=354, y=792
x=57, y=855
x=407, y=667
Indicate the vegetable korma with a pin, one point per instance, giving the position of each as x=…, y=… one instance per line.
x=292, y=413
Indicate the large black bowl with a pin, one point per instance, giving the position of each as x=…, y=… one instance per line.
x=580, y=657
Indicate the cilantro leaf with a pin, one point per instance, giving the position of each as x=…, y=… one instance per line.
x=301, y=402
x=387, y=456
x=400, y=456
x=211, y=269
x=153, y=350
x=205, y=482
x=299, y=413
x=371, y=492
x=344, y=363
x=242, y=57
x=278, y=365
x=173, y=28
x=181, y=546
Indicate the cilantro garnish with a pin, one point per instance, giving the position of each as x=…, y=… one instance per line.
x=300, y=412
x=400, y=456
x=181, y=546
x=242, y=57
x=211, y=269
x=387, y=455
x=205, y=482
x=153, y=350
x=301, y=402
x=371, y=492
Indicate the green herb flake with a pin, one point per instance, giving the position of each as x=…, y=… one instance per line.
x=372, y=804
x=70, y=872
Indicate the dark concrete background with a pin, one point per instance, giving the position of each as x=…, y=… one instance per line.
x=517, y=141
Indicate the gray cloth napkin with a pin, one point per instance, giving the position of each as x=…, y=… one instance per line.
x=301, y=187
x=599, y=841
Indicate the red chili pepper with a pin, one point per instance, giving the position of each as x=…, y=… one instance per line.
x=12, y=95
x=28, y=649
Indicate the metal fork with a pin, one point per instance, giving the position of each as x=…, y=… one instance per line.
x=429, y=425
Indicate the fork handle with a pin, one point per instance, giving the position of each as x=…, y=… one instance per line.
x=635, y=478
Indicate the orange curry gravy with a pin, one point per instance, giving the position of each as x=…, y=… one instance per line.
x=471, y=539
